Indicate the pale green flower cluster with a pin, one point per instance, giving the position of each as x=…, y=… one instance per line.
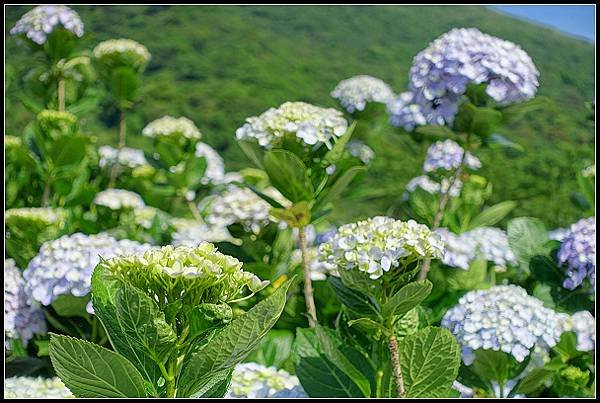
x=378, y=244
x=356, y=92
x=25, y=387
x=60, y=120
x=12, y=142
x=168, y=126
x=311, y=124
x=122, y=52
x=194, y=275
x=117, y=199
x=42, y=216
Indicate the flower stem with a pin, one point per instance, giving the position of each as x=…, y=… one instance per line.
x=122, y=138
x=61, y=94
x=308, y=290
x=46, y=194
x=393, y=346
x=441, y=208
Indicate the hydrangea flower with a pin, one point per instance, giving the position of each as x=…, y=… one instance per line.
x=193, y=275
x=22, y=317
x=59, y=120
x=310, y=124
x=252, y=380
x=447, y=155
x=356, y=92
x=380, y=244
x=122, y=52
x=238, y=205
x=145, y=216
x=40, y=21
x=12, y=142
x=460, y=249
x=588, y=172
x=584, y=326
x=492, y=244
x=319, y=269
x=25, y=387
x=168, y=126
x=360, y=150
x=117, y=199
x=41, y=216
x=405, y=113
x=126, y=157
x=578, y=253
x=440, y=73
x=191, y=232
x=558, y=234
x=215, y=167
x=503, y=318
x=430, y=186
x=65, y=265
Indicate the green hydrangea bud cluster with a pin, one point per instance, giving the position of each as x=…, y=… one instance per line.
x=192, y=275
x=122, y=52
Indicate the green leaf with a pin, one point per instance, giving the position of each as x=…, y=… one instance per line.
x=124, y=83
x=319, y=376
x=368, y=325
x=89, y=370
x=333, y=354
x=288, y=174
x=472, y=279
x=406, y=298
x=217, y=386
x=208, y=316
x=338, y=187
x=68, y=305
x=338, y=148
x=477, y=120
x=496, y=366
x=534, y=381
x=104, y=291
x=430, y=359
x=68, y=150
x=231, y=344
x=353, y=299
x=252, y=151
x=194, y=171
x=492, y=215
x=527, y=237
x=274, y=349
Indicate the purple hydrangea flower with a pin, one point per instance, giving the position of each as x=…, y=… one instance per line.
x=447, y=155
x=578, y=253
x=40, y=21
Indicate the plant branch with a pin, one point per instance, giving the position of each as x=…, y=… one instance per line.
x=308, y=290
x=61, y=94
x=397, y=371
x=122, y=138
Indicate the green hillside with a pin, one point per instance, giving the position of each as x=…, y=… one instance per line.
x=220, y=64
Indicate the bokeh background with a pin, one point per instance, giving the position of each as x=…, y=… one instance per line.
x=220, y=64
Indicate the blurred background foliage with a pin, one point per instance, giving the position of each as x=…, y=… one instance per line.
x=220, y=64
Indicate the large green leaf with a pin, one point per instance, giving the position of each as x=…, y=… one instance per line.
x=527, y=237
x=492, y=215
x=496, y=366
x=89, y=370
x=217, y=386
x=319, y=376
x=338, y=187
x=68, y=150
x=231, y=344
x=104, y=292
x=338, y=148
x=430, y=359
x=472, y=279
x=288, y=174
x=406, y=298
x=68, y=305
x=333, y=354
x=353, y=299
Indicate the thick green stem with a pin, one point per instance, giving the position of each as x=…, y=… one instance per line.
x=308, y=290
x=122, y=138
x=397, y=371
x=46, y=194
x=61, y=94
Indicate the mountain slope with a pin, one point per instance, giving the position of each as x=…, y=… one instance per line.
x=220, y=64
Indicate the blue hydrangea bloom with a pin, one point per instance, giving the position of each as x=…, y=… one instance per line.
x=578, y=253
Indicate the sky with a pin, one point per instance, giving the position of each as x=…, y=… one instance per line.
x=575, y=20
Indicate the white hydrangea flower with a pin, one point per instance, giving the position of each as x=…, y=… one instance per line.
x=588, y=172
x=252, y=380
x=503, y=318
x=447, y=155
x=191, y=232
x=379, y=244
x=360, y=150
x=460, y=249
x=233, y=177
x=40, y=21
x=25, y=387
x=584, y=326
x=311, y=124
x=169, y=126
x=43, y=215
x=123, y=52
x=22, y=318
x=117, y=199
x=65, y=265
x=238, y=205
x=356, y=92
x=558, y=234
x=430, y=186
x=318, y=269
x=144, y=216
x=126, y=157
x=492, y=244
x=215, y=167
